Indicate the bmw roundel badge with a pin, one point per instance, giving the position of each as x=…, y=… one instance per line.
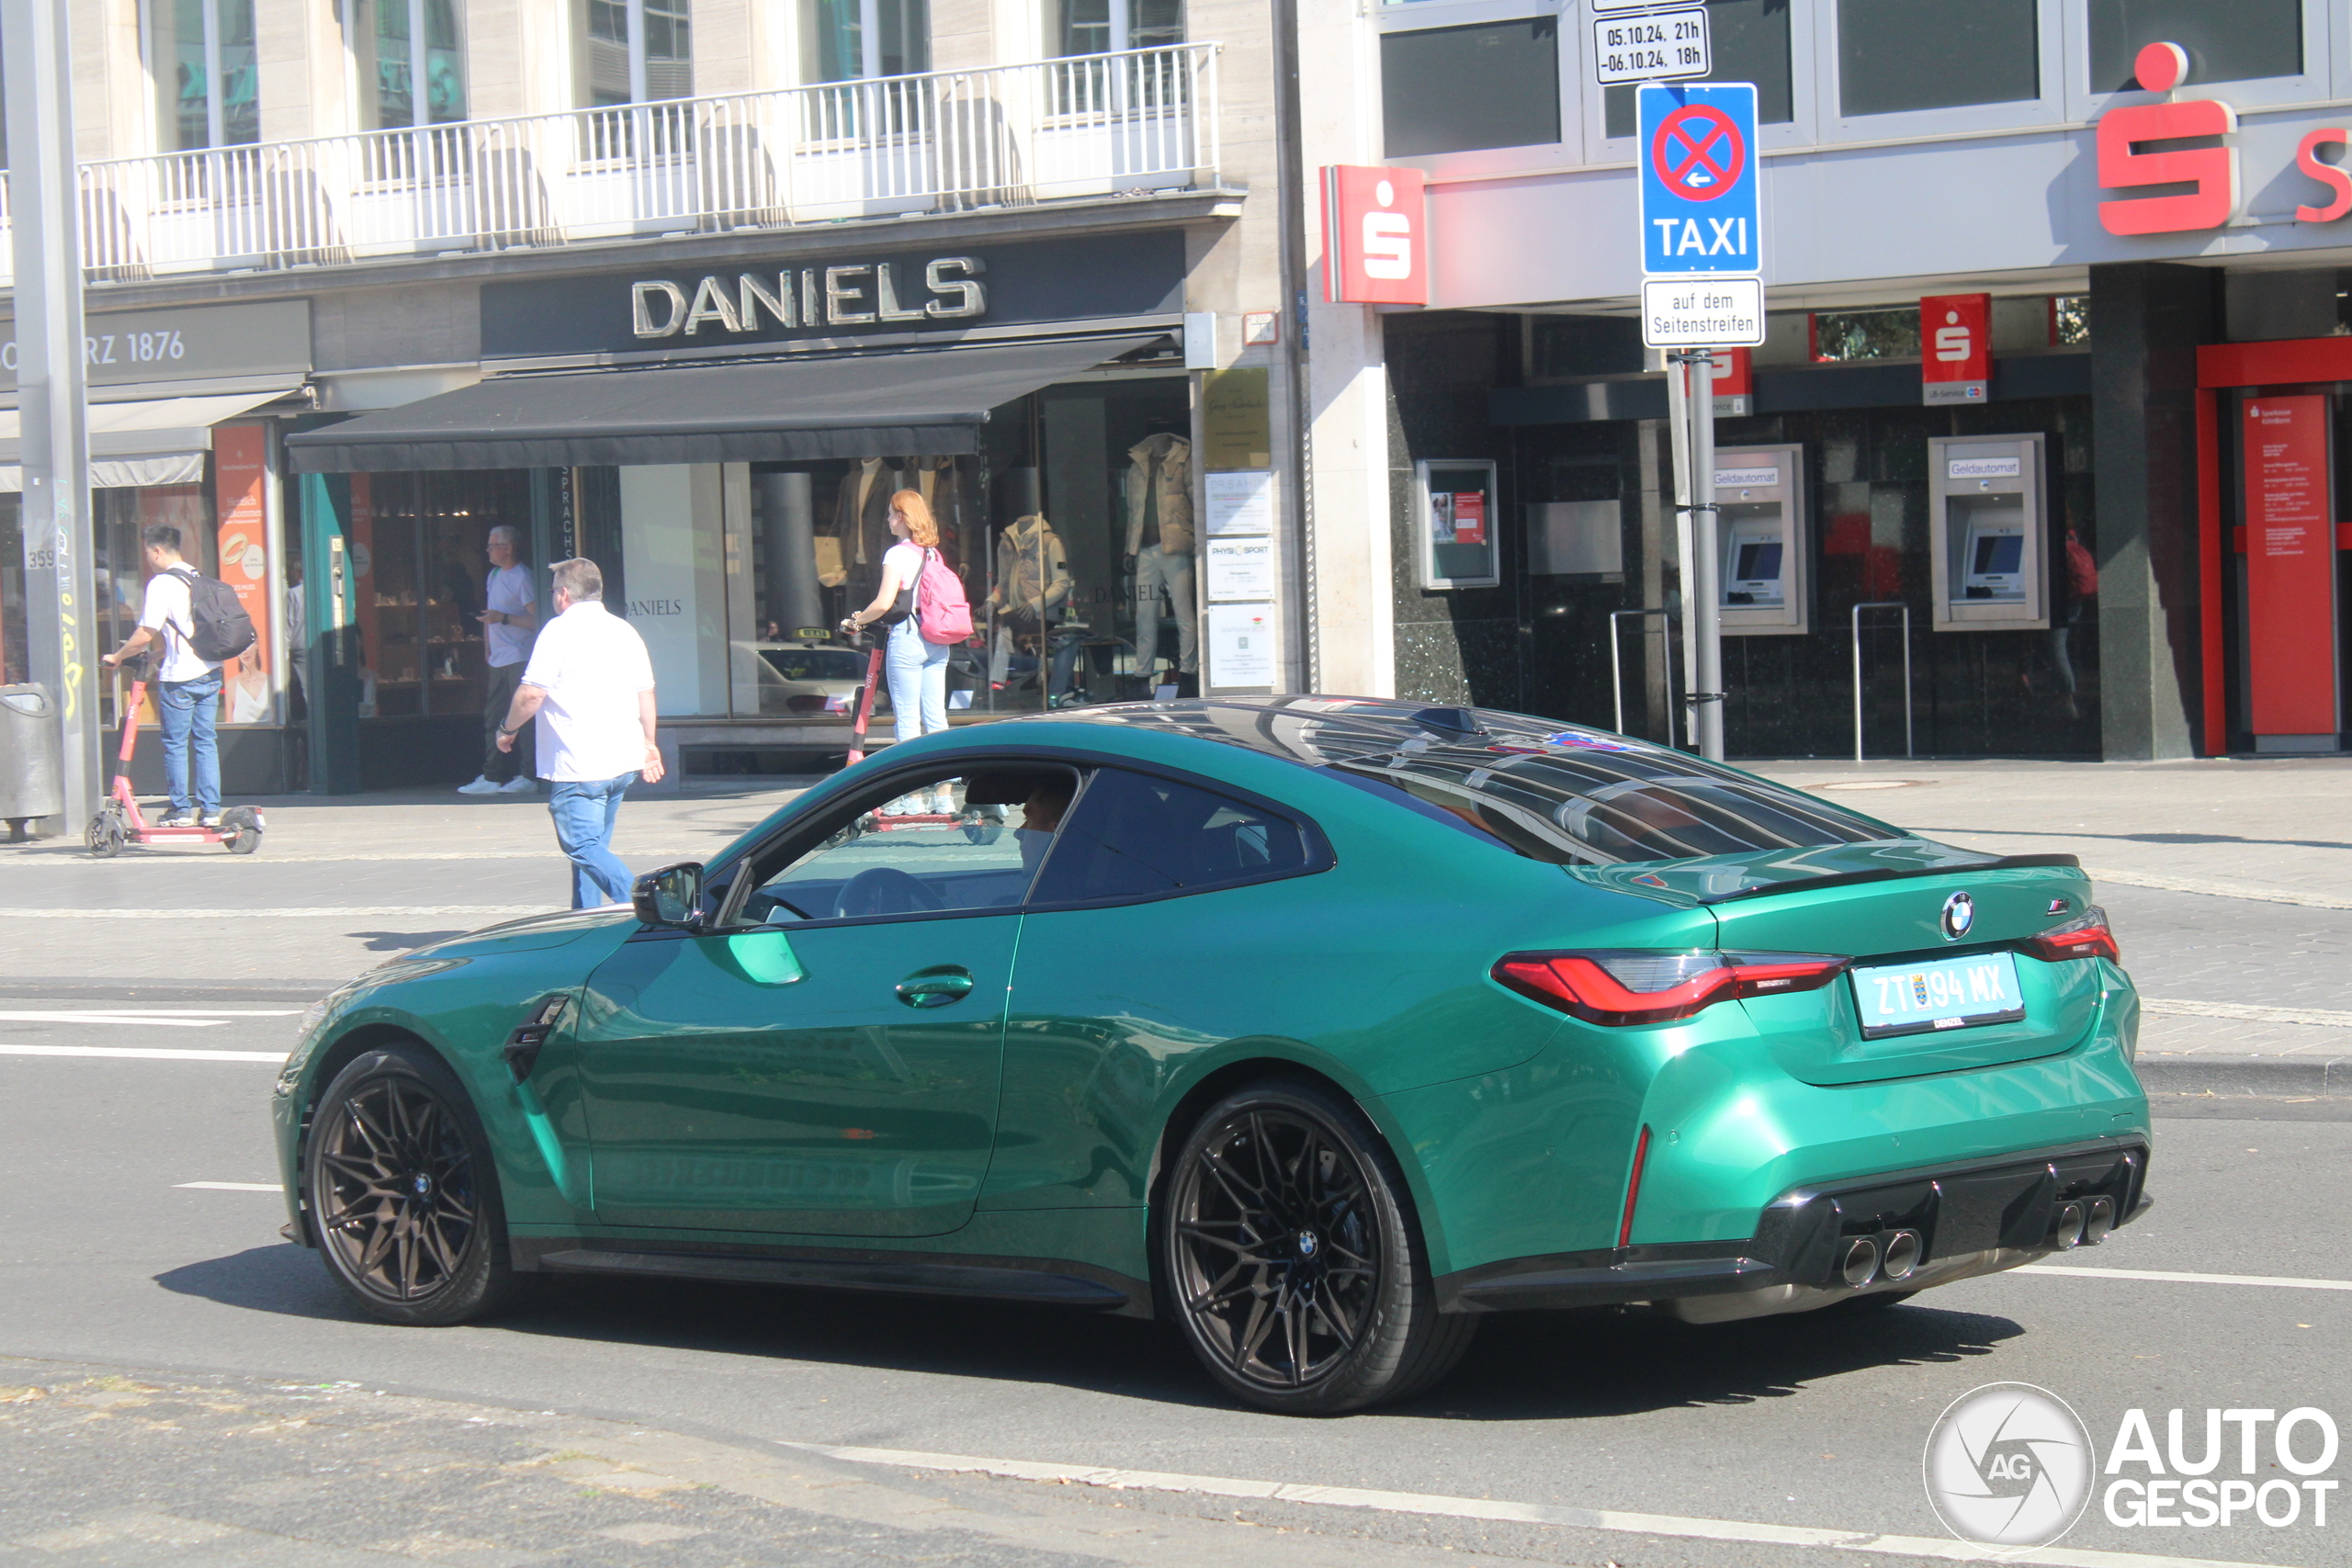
x=1960, y=913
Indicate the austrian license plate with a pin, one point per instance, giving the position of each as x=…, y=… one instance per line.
x=1944, y=993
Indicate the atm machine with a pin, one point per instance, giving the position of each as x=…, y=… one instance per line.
x=1988, y=532
x=1766, y=536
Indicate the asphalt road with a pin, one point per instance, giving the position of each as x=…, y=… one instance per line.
x=113, y=1265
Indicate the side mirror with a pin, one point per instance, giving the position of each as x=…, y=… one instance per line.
x=669, y=897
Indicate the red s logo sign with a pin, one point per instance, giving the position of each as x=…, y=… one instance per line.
x=2122, y=167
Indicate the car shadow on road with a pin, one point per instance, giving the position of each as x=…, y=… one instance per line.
x=1524, y=1365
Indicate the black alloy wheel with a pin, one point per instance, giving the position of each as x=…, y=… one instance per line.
x=402, y=1195
x=1291, y=1257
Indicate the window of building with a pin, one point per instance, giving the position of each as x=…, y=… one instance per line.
x=1453, y=89
x=1133, y=836
x=397, y=45
x=1892, y=333
x=851, y=40
x=2070, y=320
x=2238, y=42
x=1899, y=55
x=419, y=553
x=632, y=52
x=201, y=59
x=1107, y=27
x=1750, y=40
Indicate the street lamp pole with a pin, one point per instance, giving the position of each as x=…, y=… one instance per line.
x=61, y=606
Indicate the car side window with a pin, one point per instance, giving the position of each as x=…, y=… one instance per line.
x=928, y=845
x=1135, y=836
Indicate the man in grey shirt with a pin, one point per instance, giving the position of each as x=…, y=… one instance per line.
x=506, y=630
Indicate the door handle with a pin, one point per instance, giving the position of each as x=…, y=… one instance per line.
x=938, y=987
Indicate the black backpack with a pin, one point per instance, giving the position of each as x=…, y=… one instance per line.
x=220, y=627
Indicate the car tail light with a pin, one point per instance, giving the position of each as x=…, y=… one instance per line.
x=2086, y=936
x=1635, y=986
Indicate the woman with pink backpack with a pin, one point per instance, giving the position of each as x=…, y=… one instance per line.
x=922, y=601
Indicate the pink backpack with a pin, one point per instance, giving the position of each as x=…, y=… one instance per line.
x=942, y=613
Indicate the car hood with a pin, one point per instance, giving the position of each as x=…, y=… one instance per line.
x=530, y=935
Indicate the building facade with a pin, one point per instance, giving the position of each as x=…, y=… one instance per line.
x=2122, y=543
x=690, y=288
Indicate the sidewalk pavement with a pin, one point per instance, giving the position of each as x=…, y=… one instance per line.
x=2229, y=882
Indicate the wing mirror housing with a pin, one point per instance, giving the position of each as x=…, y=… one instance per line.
x=669, y=897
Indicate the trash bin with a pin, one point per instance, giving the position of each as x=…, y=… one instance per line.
x=29, y=765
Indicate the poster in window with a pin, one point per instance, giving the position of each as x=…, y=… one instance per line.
x=1469, y=516
x=1241, y=646
x=240, y=479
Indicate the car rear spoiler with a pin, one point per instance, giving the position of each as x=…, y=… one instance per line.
x=1855, y=878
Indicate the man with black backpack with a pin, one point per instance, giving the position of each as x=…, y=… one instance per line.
x=200, y=622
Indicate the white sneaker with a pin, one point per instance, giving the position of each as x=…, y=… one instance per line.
x=482, y=785
x=521, y=783
x=943, y=804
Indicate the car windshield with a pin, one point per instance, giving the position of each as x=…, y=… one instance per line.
x=1600, y=802
x=815, y=664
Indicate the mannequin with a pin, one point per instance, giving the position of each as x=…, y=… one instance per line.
x=1032, y=584
x=1159, y=546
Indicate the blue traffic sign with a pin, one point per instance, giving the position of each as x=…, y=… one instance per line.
x=1700, y=211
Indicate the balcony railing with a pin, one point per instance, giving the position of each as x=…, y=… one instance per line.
x=950, y=141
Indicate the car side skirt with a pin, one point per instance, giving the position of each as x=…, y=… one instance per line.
x=1045, y=1280
x=1975, y=1218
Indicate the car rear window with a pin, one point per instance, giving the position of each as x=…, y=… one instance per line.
x=1604, y=803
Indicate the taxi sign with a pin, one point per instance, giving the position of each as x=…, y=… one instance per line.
x=1700, y=209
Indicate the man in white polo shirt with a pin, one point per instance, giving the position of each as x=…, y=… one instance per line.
x=590, y=687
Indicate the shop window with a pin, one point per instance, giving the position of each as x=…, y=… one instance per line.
x=851, y=40
x=632, y=52
x=1454, y=89
x=418, y=544
x=2070, y=320
x=408, y=62
x=1750, y=40
x=1562, y=347
x=1132, y=836
x=2238, y=42
x=1839, y=335
x=1107, y=27
x=1900, y=55
x=201, y=60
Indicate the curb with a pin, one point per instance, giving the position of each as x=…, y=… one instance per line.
x=2317, y=1076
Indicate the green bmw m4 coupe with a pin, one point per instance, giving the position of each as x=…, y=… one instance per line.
x=1320, y=1026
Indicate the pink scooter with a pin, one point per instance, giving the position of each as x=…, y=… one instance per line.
x=120, y=821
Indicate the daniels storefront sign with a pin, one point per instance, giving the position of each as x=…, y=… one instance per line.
x=825, y=302
x=2183, y=147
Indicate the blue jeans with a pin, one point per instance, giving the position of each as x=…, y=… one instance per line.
x=189, y=708
x=584, y=811
x=917, y=671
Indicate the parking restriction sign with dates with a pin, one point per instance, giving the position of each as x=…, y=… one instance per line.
x=1650, y=47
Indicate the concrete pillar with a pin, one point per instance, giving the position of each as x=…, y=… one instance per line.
x=518, y=56
x=788, y=533
x=305, y=74
x=2147, y=320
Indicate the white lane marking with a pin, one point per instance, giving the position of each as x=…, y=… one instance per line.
x=2173, y=1277
x=233, y=1186
x=120, y=1020
x=2253, y=891
x=143, y=1052
x=323, y=911
x=1486, y=1508
x=2250, y=1011
x=135, y=1017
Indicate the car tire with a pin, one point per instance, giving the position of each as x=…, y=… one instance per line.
x=402, y=1193
x=1291, y=1261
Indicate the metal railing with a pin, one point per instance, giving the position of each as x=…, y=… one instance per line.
x=1012, y=135
x=1882, y=604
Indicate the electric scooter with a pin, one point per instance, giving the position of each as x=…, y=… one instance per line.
x=120, y=821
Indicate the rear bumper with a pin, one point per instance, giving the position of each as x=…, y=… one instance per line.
x=1973, y=1217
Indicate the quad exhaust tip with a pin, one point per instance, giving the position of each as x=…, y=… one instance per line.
x=1858, y=1266
x=2066, y=1226
x=1902, y=1255
x=2099, y=1218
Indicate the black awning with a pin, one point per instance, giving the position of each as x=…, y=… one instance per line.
x=907, y=404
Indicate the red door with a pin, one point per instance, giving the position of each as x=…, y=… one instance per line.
x=2289, y=573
